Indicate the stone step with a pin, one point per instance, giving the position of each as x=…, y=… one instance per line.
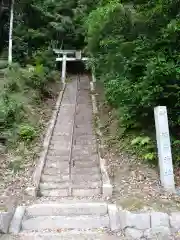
x=88, y=176
x=63, y=166
x=89, y=140
x=66, y=120
x=63, y=130
x=83, y=184
x=59, y=152
x=53, y=185
x=54, y=192
x=76, y=208
x=84, y=99
x=88, y=118
x=57, y=138
x=83, y=110
x=54, y=178
x=83, y=132
x=62, y=159
x=79, y=125
x=85, y=164
x=75, y=184
x=55, y=171
x=85, y=170
x=67, y=235
x=61, y=139
x=85, y=157
x=85, y=149
x=67, y=222
x=88, y=192
x=60, y=147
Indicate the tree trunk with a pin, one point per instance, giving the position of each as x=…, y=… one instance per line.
x=10, y=33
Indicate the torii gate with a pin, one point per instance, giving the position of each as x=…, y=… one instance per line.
x=74, y=55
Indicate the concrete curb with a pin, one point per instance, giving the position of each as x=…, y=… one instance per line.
x=32, y=191
x=106, y=184
x=144, y=225
x=5, y=219
x=134, y=225
x=15, y=224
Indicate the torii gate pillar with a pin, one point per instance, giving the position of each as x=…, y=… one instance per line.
x=77, y=56
x=63, y=74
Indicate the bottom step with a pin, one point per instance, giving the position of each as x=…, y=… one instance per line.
x=55, y=223
x=60, y=236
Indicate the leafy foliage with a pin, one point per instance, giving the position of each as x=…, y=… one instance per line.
x=40, y=25
x=27, y=132
x=135, y=51
x=23, y=89
x=134, y=48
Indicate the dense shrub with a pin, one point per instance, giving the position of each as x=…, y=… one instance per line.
x=136, y=53
x=22, y=89
x=40, y=25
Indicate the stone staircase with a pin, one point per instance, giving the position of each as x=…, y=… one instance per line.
x=72, y=164
x=70, y=183
x=73, y=184
x=73, y=220
x=65, y=216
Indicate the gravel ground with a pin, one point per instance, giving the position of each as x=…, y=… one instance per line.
x=13, y=185
x=136, y=184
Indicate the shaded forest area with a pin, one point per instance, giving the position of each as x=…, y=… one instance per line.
x=134, y=48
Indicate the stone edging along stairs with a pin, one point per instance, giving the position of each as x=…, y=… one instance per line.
x=84, y=218
x=60, y=109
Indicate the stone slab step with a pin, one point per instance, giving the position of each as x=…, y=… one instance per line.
x=83, y=132
x=58, y=138
x=64, y=209
x=67, y=222
x=63, y=130
x=55, y=171
x=82, y=125
x=54, y=192
x=88, y=118
x=84, y=149
x=83, y=109
x=66, y=120
x=85, y=170
x=61, y=140
x=59, y=147
x=84, y=99
x=85, y=157
x=52, y=185
x=84, y=141
x=69, y=235
x=86, y=184
x=59, y=165
x=54, y=178
x=88, y=192
x=84, y=177
x=59, y=152
x=85, y=164
x=61, y=159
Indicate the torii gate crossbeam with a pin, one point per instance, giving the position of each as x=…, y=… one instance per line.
x=64, y=59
